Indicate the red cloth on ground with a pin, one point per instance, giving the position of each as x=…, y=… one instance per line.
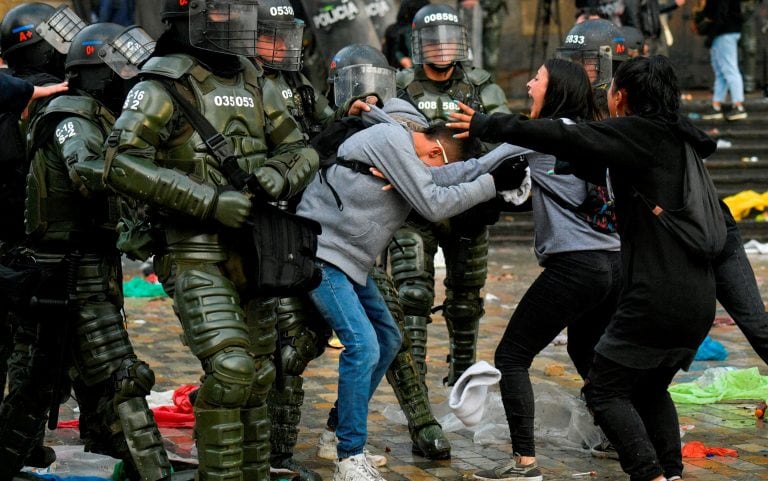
x=180, y=415
x=696, y=449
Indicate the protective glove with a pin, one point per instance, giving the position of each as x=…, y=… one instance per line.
x=510, y=173
x=271, y=181
x=232, y=208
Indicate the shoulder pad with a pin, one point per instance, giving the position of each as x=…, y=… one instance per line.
x=81, y=106
x=251, y=72
x=171, y=66
x=478, y=76
x=404, y=78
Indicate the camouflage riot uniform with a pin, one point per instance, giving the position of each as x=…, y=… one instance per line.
x=161, y=160
x=70, y=220
x=464, y=239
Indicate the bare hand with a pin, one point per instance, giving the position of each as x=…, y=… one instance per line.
x=406, y=62
x=377, y=173
x=358, y=106
x=468, y=4
x=49, y=90
x=463, y=120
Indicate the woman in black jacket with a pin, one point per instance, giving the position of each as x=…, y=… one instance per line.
x=667, y=301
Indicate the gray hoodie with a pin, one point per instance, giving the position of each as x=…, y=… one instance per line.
x=356, y=233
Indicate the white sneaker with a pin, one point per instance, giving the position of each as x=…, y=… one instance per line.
x=356, y=468
x=326, y=449
x=375, y=460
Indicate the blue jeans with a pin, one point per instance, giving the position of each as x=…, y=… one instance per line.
x=724, y=55
x=371, y=339
x=576, y=289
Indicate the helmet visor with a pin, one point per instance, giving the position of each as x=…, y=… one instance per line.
x=279, y=44
x=60, y=28
x=440, y=44
x=597, y=63
x=128, y=51
x=361, y=80
x=225, y=27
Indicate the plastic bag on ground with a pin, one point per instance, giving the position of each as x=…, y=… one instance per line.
x=722, y=384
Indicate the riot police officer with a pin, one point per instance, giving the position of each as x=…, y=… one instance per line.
x=435, y=86
x=158, y=156
x=600, y=47
x=38, y=59
x=69, y=221
x=301, y=333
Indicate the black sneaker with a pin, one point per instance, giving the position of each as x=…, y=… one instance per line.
x=512, y=471
x=713, y=114
x=605, y=450
x=736, y=113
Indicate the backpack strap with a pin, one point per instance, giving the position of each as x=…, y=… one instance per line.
x=217, y=144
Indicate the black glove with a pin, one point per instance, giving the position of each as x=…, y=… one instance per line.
x=510, y=173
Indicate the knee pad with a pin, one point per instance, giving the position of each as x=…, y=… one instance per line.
x=133, y=379
x=462, y=308
x=229, y=375
x=299, y=341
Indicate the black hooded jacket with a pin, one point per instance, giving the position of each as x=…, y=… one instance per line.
x=668, y=296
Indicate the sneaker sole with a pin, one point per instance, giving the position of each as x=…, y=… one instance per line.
x=712, y=117
x=605, y=454
x=736, y=117
x=516, y=478
x=446, y=454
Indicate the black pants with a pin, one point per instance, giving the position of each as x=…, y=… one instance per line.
x=576, y=289
x=636, y=412
x=738, y=293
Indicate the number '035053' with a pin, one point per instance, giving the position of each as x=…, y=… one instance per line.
x=233, y=101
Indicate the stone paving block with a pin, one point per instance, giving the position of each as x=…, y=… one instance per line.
x=511, y=271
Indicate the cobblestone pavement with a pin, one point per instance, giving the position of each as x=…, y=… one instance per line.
x=155, y=333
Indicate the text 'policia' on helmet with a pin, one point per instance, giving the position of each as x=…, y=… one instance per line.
x=60, y=28
x=280, y=36
x=439, y=37
x=358, y=70
x=594, y=44
x=18, y=27
x=222, y=26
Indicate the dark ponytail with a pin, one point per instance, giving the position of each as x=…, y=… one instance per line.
x=651, y=86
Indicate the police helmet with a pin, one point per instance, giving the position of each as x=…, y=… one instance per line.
x=19, y=41
x=595, y=44
x=221, y=26
x=280, y=35
x=85, y=66
x=633, y=39
x=438, y=37
x=358, y=70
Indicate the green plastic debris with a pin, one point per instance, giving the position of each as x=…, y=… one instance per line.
x=722, y=384
x=138, y=287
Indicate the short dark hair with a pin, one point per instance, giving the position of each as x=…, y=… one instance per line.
x=455, y=149
x=569, y=92
x=651, y=86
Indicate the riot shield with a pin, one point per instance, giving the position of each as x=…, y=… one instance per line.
x=338, y=23
x=472, y=18
x=382, y=13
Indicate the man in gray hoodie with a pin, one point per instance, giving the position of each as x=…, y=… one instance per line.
x=358, y=218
